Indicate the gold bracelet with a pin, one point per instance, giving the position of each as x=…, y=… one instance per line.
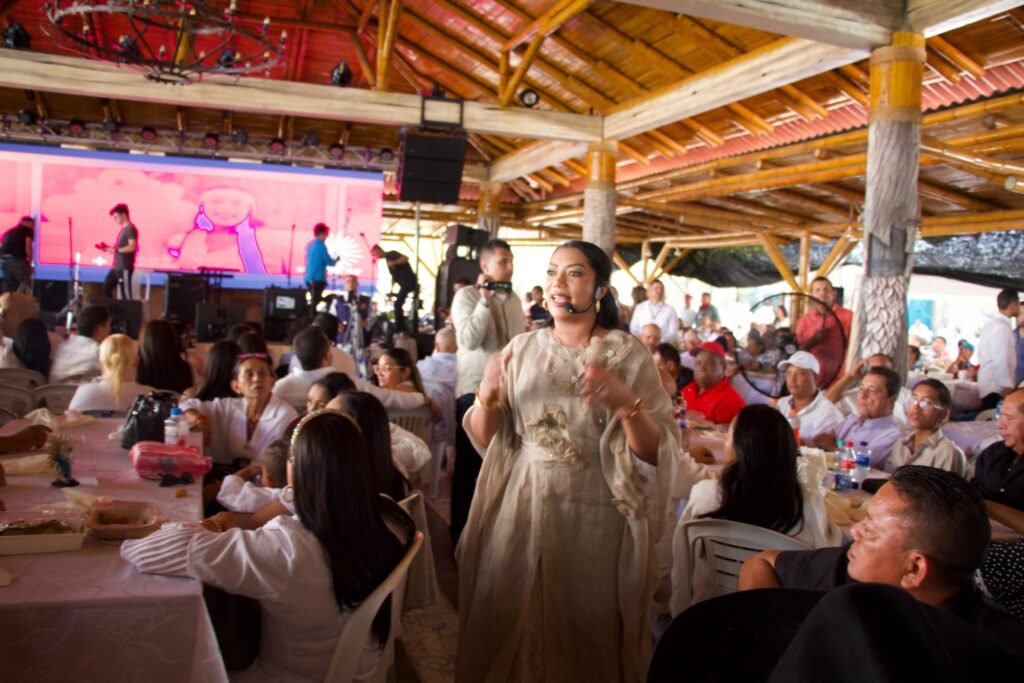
x=219, y=527
x=636, y=408
x=489, y=407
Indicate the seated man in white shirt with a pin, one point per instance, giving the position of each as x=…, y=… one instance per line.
x=340, y=361
x=873, y=422
x=78, y=359
x=314, y=354
x=806, y=407
x=926, y=445
x=442, y=365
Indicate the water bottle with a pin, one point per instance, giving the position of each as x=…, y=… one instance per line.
x=174, y=428
x=862, y=457
x=794, y=422
x=848, y=460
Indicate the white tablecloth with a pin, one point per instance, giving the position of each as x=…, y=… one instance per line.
x=89, y=616
x=964, y=392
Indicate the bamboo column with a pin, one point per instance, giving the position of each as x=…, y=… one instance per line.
x=599, y=196
x=891, y=216
x=489, y=207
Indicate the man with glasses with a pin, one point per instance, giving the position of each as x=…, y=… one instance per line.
x=929, y=409
x=873, y=422
x=999, y=470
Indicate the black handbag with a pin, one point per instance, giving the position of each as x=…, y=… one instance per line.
x=145, y=420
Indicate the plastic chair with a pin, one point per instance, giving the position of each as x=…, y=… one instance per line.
x=21, y=377
x=986, y=415
x=6, y=416
x=419, y=421
x=726, y=545
x=18, y=400
x=55, y=397
x=443, y=432
x=356, y=630
x=421, y=586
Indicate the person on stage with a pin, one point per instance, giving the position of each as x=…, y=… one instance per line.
x=317, y=261
x=556, y=562
x=124, y=250
x=16, y=256
x=402, y=275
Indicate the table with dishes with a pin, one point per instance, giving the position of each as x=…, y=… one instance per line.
x=86, y=614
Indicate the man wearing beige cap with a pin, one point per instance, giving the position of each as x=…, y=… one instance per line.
x=806, y=405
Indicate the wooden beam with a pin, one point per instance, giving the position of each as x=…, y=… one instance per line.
x=939, y=65
x=364, y=61
x=365, y=14
x=934, y=17
x=955, y=55
x=547, y=23
x=767, y=68
x=805, y=260
x=520, y=73
x=621, y=263
x=91, y=78
x=676, y=260
x=777, y=257
x=386, y=41
x=863, y=24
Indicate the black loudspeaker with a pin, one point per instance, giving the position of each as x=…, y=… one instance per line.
x=125, y=316
x=182, y=295
x=447, y=274
x=51, y=294
x=430, y=169
x=213, y=321
x=288, y=304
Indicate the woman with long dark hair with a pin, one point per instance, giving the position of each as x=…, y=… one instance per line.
x=220, y=367
x=310, y=570
x=556, y=562
x=161, y=364
x=760, y=486
x=31, y=346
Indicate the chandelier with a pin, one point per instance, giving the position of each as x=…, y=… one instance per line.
x=170, y=41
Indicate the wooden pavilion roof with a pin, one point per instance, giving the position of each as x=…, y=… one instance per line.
x=777, y=159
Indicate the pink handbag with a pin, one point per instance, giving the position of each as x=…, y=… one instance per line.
x=153, y=459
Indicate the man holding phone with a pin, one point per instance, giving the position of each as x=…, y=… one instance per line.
x=824, y=329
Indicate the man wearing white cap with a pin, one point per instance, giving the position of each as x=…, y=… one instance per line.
x=806, y=403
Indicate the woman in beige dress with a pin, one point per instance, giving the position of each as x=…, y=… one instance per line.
x=556, y=563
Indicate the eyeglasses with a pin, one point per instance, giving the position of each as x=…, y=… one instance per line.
x=168, y=479
x=925, y=404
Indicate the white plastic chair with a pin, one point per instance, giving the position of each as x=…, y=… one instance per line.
x=18, y=400
x=55, y=397
x=725, y=545
x=986, y=415
x=419, y=421
x=356, y=631
x=21, y=377
x=443, y=433
x=421, y=586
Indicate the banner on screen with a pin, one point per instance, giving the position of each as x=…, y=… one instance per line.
x=190, y=213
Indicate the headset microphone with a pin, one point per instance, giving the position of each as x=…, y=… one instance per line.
x=572, y=309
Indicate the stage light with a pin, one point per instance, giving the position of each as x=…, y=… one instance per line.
x=341, y=74
x=226, y=60
x=26, y=117
x=148, y=134
x=337, y=150
x=110, y=125
x=277, y=146
x=311, y=139
x=76, y=127
x=211, y=140
x=529, y=98
x=386, y=155
x=239, y=136
x=16, y=37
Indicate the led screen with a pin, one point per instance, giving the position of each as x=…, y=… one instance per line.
x=189, y=213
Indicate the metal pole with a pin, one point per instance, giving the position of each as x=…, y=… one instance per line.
x=416, y=292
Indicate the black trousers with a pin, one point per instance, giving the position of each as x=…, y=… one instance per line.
x=403, y=294
x=316, y=292
x=466, y=470
x=118, y=277
x=17, y=274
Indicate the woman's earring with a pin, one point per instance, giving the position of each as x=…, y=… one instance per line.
x=597, y=305
x=544, y=304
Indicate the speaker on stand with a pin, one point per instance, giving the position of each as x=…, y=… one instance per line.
x=462, y=261
x=430, y=168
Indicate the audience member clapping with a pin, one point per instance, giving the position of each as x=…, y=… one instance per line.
x=77, y=359
x=301, y=568
x=161, y=364
x=114, y=390
x=929, y=408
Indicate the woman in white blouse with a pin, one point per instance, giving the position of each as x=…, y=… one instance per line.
x=303, y=573
x=759, y=486
x=242, y=427
x=114, y=390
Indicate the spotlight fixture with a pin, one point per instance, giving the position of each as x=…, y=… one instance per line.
x=311, y=139
x=211, y=141
x=148, y=134
x=76, y=127
x=110, y=125
x=16, y=37
x=386, y=154
x=26, y=117
x=341, y=74
x=337, y=150
x=226, y=60
x=529, y=97
x=277, y=146
x=239, y=136
x=128, y=49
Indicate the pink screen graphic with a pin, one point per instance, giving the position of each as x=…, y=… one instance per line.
x=191, y=215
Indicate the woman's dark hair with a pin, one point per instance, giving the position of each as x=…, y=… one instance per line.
x=220, y=365
x=373, y=418
x=336, y=500
x=252, y=342
x=237, y=331
x=760, y=487
x=608, y=317
x=32, y=346
x=404, y=360
x=335, y=383
x=161, y=365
